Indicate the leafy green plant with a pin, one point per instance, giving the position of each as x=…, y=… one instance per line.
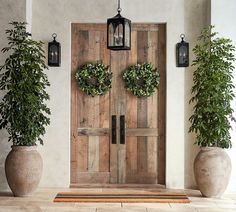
x=141, y=79
x=212, y=90
x=94, y=79
x=23, y=110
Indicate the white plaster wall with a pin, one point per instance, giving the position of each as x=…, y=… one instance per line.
x=10, y=10
x=223, y=17
x=56, y=16
x=197, y=16
x=29, y=15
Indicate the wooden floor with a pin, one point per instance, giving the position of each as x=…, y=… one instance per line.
x=43, y=201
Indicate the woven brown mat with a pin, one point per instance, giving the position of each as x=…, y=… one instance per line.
x=135, y=197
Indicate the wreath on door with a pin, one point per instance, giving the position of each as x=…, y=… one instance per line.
x=141, y=79
x=94, y=79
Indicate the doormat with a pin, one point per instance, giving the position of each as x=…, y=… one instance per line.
x=127, y=197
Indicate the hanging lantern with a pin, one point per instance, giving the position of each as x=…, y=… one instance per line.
x=118, y=32
x=182, y=53
x=54, y=52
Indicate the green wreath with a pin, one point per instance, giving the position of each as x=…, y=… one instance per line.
x=141, y=79
x=94, y=79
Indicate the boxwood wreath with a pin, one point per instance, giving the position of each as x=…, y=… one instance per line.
x=141, y=79
x=94, y=79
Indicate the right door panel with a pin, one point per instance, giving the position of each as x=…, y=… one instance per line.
x=140, y=157
x=145, y=117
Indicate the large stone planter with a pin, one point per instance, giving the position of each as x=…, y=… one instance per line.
x=23, y=167
x=212, y=169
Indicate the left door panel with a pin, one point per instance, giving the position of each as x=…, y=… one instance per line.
x=90, y=116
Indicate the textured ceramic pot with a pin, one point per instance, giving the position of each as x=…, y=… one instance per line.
x=212, y=169
x=23, y=167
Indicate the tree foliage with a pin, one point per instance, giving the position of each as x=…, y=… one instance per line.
x=23, y=110
x=212, y=90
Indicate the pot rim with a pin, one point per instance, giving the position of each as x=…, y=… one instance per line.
x=209, y=148
x=23, y=148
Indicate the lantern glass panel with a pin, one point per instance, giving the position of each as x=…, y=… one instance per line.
x=183, y=54
x=127, y=34
x=53, y=54
x=111, y=35
x=118, y=35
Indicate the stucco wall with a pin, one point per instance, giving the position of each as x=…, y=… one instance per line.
x=56, y=16
x=223, y=17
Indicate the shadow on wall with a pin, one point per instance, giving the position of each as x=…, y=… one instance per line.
x=4, y=150
x=5, y=146
x=197, y=16
x=9, y=10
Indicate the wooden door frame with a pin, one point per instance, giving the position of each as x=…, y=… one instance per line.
x=162, y=63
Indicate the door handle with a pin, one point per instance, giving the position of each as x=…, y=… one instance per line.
x=122, y=129
x=113, y=129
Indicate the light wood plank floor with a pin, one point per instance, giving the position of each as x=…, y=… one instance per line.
x=43, y=201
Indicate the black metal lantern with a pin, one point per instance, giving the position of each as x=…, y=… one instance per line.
x=118, y=32
x=54, y=52
x=182, y=53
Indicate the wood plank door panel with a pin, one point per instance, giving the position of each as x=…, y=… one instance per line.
x=141, y=159
x=135, y=111
x=90, y=115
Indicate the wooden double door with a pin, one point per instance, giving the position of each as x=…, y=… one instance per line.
x=118, y=138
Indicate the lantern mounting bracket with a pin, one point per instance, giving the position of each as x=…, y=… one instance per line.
x=119, y=8
x=54, y=36
x=182, y=36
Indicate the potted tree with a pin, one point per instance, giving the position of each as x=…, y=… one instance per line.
x=212, y=93
x=23, y=111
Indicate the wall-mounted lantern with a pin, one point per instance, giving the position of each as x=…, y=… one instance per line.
x=118, y=32
x=54, y=52
x=182, y=53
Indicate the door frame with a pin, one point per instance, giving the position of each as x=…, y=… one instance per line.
x=163, y=66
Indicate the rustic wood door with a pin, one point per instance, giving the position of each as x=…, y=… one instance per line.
x=137, y=155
